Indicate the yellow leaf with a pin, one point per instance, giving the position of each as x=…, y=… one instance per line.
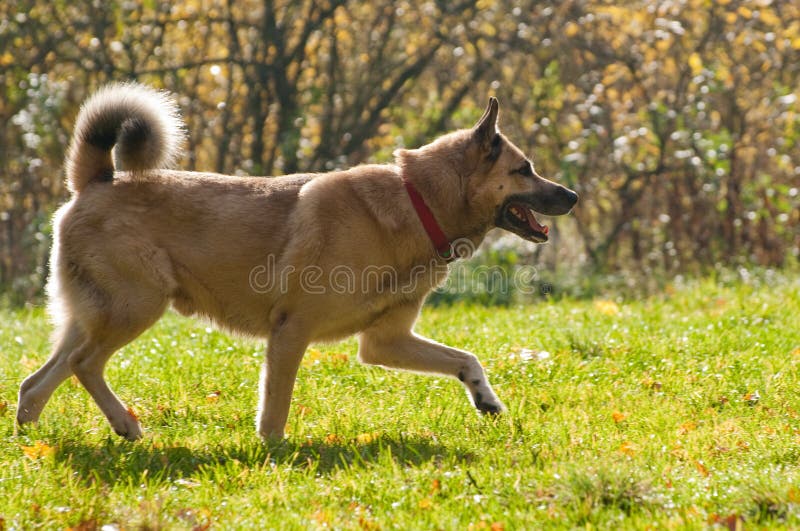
x=746, y=12
x=367, y=524
x=768, y=17
x=628, y=448
x=695, y=63
x=702, y=469
x=366, y=438
x=618, y=416
x=39, y=449
x=322, y=517
x=606, y=307
x=332, y=438
x=687, y=427
x=314, y=356
x=425, y=503
x=571, y=29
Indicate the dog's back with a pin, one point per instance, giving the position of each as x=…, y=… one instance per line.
x=130, y=242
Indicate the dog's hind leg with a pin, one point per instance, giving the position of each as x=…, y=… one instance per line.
x=285, y=350
x=131, y=317
x=37, y=388
x=390, y=343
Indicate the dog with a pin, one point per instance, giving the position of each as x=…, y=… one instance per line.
x=137, y=237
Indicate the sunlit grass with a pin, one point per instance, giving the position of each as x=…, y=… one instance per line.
x=680, y=410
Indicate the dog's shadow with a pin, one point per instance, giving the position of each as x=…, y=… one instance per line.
x=118, y=461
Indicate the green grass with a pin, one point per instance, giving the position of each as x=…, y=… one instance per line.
x=677, y=411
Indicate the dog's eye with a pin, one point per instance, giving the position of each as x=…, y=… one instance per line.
x=526, y=170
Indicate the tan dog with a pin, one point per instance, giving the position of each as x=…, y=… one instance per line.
x=273, y=258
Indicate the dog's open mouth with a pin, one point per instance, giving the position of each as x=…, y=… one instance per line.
x=518, y=217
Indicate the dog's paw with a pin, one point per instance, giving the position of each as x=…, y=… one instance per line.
x=489, y=405
x=29, y=407
x=127, y=426
x=272, y=437
x=26, y=415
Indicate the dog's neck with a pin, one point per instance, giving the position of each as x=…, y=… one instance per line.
x=444, y=197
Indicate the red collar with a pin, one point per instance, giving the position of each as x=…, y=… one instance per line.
x=435, y=232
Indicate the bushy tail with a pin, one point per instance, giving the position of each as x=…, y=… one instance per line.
x=143, y=124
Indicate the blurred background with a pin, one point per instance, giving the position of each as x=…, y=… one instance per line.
x=676, y=121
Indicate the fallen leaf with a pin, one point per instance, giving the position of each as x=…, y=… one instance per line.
x=650, y=383
x=213, y=396
x=628, y=448
x=687, y=427
x=332, y=438
x=366, y=438
x=367, y=524
x=37, y=450
x=752, y=398
x=618, y=416
x=436, y=486
x=338, y=357
x=606, y=307
x=322, y=517
x=425, y=503
x=702, y=468
x=679, y=452
x=3, y=407
x=733, y=522
x=86, y=525
x=132, y=413
x=311, y=358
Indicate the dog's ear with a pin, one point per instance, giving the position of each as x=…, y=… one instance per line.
x=486, y=133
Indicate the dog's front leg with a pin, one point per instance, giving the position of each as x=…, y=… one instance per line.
x=285, y=349
x=387, y=345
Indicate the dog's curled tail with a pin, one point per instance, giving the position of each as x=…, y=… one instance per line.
x=143, y=124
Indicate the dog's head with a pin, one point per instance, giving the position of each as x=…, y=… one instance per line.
x=503, y=182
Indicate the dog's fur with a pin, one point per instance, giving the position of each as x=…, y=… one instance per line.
x=136, y=237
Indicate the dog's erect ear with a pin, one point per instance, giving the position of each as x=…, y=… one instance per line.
x=486, y=132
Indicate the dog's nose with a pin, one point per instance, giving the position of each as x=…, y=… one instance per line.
x=570, y=196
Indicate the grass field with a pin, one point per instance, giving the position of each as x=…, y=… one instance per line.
x=677, y=411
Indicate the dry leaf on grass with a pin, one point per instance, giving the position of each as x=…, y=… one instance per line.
x=37, y=450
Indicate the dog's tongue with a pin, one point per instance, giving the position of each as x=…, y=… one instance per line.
x=544, y=229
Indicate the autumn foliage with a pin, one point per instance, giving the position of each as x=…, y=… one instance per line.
x=676, y=121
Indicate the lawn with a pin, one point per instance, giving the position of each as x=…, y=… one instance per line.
x=681, y=410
